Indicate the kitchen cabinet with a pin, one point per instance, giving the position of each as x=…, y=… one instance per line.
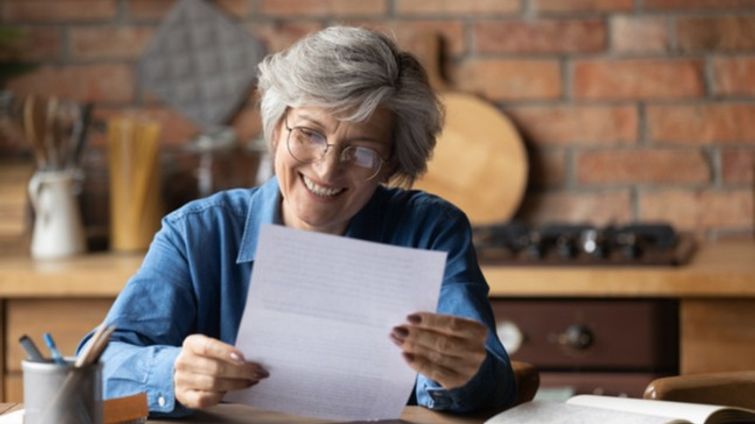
x=714, y=296
x=712, y=300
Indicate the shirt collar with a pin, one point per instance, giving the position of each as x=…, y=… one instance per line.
x=264, y=208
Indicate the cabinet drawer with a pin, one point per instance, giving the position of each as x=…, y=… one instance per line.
x=599, y=383
x=68, y=320
x=590, y=334
x=13, y=388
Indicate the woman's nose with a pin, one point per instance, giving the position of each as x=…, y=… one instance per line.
x=328, y=165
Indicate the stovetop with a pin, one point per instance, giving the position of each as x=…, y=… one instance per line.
x=516, y=243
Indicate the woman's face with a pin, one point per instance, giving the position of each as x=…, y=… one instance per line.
x=325, y=194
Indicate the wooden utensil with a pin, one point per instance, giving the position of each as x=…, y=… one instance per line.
x=479, y=163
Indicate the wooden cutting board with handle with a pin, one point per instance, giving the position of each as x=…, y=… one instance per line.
x=479, y=163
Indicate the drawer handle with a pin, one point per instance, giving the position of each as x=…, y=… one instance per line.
x=576, y=336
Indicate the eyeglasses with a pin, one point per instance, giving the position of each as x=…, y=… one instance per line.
x=307, y=145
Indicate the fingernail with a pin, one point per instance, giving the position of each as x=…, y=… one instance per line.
x=397, y=341
x=400, y=332
x=262, y=373
x=235, y=357
x=408, y=356
x=414, y=318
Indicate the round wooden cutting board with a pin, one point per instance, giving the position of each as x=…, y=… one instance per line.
x=479, y=163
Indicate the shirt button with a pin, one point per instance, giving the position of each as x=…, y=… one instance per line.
x=161, y=401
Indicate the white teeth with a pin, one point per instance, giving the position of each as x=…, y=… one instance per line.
x=319, y=190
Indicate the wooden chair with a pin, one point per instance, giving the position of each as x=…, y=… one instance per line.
x=723, y=388
x=527, y=381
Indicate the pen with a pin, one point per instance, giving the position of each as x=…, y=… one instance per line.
x=56, y=356
x=32, y=352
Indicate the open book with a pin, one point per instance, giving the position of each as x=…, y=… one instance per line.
x=588, y=409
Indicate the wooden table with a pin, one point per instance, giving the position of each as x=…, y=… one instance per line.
x=240, y=414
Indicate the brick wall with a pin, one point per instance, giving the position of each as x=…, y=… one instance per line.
x=631, y=109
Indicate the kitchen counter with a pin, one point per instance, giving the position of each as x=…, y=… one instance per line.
x=720, y=270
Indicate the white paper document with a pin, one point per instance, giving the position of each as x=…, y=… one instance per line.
x=318, y=316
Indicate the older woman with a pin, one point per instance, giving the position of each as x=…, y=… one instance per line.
x=344, y=112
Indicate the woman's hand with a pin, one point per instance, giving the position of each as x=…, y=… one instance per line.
x=445, y=348
x=207, y=368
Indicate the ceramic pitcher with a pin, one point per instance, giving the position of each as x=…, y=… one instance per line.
x=58, y=231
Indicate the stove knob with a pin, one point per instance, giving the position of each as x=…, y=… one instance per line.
x=511, y=336
x=565, y=247
x=577, y=337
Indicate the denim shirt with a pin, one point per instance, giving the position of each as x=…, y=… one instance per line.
x=195, y=276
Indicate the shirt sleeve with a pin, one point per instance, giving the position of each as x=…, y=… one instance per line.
x=152, y=316
x=464, y=293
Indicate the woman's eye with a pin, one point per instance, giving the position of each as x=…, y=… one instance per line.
x=312, y=136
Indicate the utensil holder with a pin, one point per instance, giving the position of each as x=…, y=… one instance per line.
x=135, y=200
x=58, y=231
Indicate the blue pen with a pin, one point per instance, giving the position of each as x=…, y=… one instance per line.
x=32, y=352
x=56, y=356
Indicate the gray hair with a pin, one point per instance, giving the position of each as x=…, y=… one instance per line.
x=351, y=72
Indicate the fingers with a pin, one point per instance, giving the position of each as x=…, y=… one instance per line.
x=420, y=338
x=210, y=382
x=447, y=377
x=444, y=348
x=207, y=346
x=198, y=399
x=449, y=324
x=207, y=368
x=218, y=368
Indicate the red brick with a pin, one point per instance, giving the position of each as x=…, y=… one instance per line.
x=638, y=79
x=237, y=8
x=149, y=9
x=455, y=7
x=175, y=129
x=567, y=6
x=548, y=168
x=542, y=36
x=408, y=32
x=248, y=123
x=109, y=83
x=738, y=165
x=32, y=44
x=630, y=34
x=109, y=42
x=58, y=10
x=277, y=36
x=599, y=208
x=323, y=8
x=567, y=125
x=730, y=122
x=642, y=166
x=510, y=79
x=734, y=76
x=726, y=33
x=697, y=4
x=699, y=209
x=156, y=9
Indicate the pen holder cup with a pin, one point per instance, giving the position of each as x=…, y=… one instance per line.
x=61, y=393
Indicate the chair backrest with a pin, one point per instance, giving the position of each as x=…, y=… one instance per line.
x=724, y=388
x=527, y=381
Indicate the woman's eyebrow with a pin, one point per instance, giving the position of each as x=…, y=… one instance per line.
x=320, y=126
x=310, y=119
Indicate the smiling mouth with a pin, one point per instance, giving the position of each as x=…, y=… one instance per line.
x=320, y=191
